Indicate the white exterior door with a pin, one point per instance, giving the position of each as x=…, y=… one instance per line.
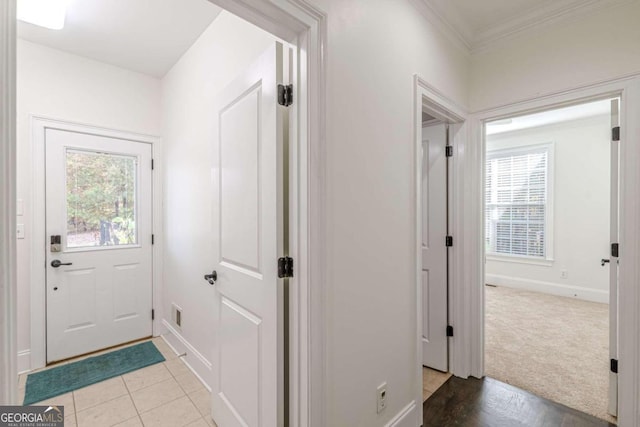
x=98, y=225
x=434, y=250
x=613, y=263
x=248, y=359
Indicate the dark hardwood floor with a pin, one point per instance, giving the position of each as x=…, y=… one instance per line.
x=491, y=403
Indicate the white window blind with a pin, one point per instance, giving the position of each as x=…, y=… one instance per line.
x=516, y=186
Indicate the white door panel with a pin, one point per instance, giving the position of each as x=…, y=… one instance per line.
x=248, y=362
x=240, y=182
x=434, y=251
x=98, y=200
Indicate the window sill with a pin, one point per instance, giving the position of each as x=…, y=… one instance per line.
x=520, y=260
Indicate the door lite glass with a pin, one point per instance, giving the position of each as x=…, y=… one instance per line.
x=101, y=199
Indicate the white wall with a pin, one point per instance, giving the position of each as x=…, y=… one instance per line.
x=226, y=48
x=593, y=48
x=374, y=48
x=581, y=177
x=63, y=86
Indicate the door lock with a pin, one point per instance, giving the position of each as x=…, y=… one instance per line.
x=56, y=243
x=57, y=263
x=211, y=278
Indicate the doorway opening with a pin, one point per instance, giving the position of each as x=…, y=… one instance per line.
x=436, y=156
x=440, y=130
x=550, y=245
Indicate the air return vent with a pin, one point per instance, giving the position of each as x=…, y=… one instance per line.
x=176, y=315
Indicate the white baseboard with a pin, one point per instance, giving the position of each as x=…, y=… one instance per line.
x=578, y=292
x=194, y=360
x=24, y=361
x=406, y=417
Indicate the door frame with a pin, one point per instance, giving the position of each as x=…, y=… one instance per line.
x=628, y=88
x=438, y=105
x=8, y=248
x=38, y=240
x=305, y=26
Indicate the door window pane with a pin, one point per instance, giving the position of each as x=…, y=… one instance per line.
x=101, y=199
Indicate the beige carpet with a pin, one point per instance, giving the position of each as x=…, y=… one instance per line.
x=554, y=347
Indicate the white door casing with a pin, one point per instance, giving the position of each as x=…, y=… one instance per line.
x=428, y=99
x=613, y=261
x=8, y=253
x=434, y=251
x=104, y=298
x=627, y=88
x=248, y=359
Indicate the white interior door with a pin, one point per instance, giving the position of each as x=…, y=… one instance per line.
x=248, y=362
x=434, y=250
x=613, y=264
x=98, y=224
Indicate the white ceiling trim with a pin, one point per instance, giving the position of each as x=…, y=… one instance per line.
x=436, y=17
x=461, y=33
x=558, y=11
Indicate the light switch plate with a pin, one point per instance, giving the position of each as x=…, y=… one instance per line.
x=19, y=207
x=20, y=231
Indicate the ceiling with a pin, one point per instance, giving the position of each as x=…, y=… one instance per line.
x=147, y=36
x=559, y=115
x=478, y=24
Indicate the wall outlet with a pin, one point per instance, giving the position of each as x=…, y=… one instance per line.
x=382, y=397
x=564, y=274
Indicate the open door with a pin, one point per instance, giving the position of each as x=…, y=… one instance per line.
x=434, y=249
x=248, y=357
x=613, y=264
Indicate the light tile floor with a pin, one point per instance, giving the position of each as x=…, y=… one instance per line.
x=166, y=394
x=431, y=381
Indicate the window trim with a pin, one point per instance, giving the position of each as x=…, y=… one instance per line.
x=549, y=211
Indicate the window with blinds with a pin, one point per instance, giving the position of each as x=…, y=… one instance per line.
x=516, y=187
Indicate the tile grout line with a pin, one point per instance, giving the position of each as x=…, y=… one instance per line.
x=105, y=401
x=183, y=390
x=132, y=401
x=75, y=409
x=160, y=382
x=181, y=387
x=166, y=403
x=189, y=396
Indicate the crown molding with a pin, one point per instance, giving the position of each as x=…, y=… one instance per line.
x=457, y=30
x=426, y=8
x=556, y=12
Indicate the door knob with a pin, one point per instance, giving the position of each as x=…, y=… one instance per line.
x=211, y=278
x=603, y=261
x=57, y=263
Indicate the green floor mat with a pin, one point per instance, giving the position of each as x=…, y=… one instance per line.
x=63, y=379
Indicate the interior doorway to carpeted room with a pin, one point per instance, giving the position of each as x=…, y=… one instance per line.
x=550, y=219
